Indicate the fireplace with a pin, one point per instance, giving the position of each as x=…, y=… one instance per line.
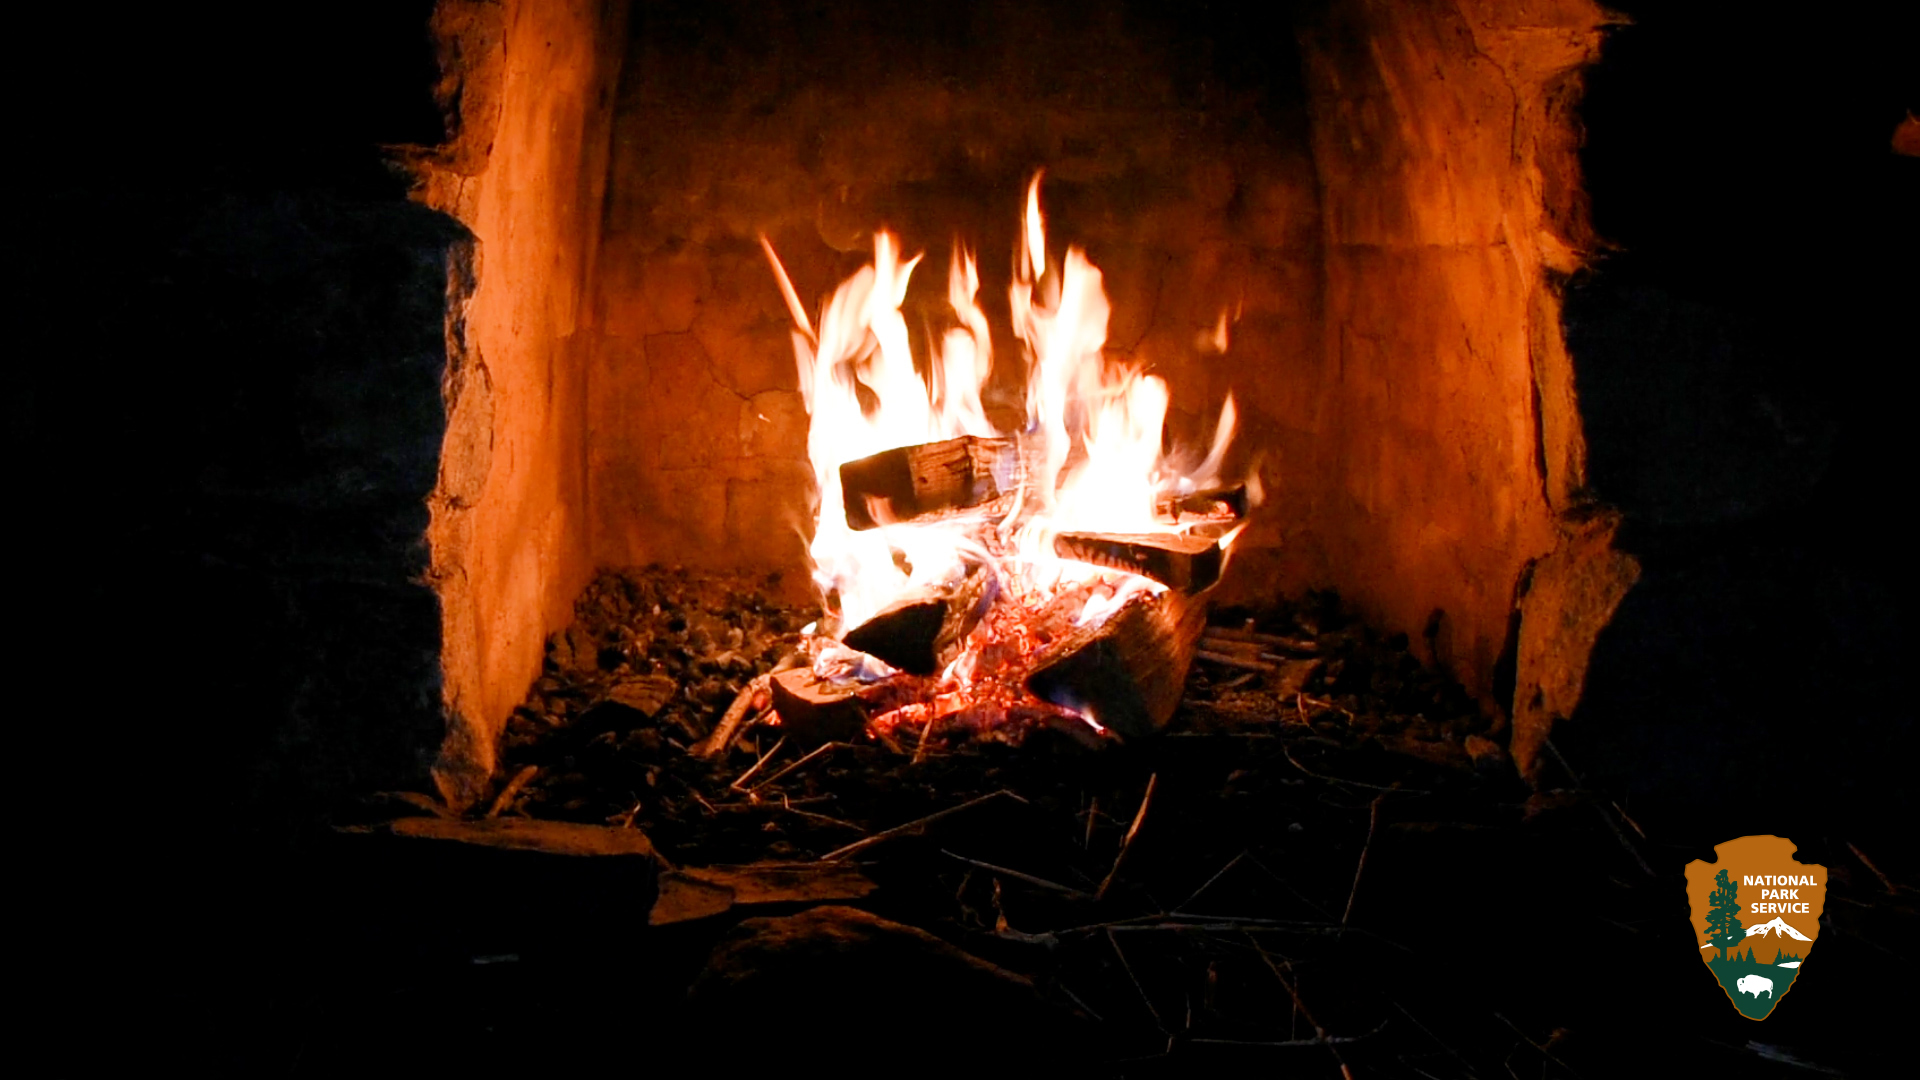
x=621, y=387
x=424, y=344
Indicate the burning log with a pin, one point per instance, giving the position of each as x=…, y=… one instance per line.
x=923, y=630
x=1129, y=672
x=1188, y=564
x=813, y=710
x=911, y=482
x=1215, y=504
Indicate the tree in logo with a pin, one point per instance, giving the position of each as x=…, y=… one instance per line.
x=1723, y=914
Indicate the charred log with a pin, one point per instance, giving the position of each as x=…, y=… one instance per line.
x=923, y=630
x=1127, y=673
x=911, y=482
x=1213, y=504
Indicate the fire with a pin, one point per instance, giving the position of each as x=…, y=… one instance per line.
x=1089, y=460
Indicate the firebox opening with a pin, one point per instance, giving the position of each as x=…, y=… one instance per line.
x=1373, y=211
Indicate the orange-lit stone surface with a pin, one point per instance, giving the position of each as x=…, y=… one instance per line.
x=525, y=172
x=1444, y=428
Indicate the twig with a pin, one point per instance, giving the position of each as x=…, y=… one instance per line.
x=920, y=749
x=1092, y=809
x=1436, y=1039
x=1228, y=660
x=1141, y=990
x=821, y=818
x=1287, y=885
x=1634, y=825
x=1541, y=1047
x=1225, y=925
x=1016, y=875
x=1329, y=706
x=519, y=781
x=1218, y=874
x=1002, y=928
x=1350, y=783
x=1568, y=768
x=902, y=830
x=1328, y=1041
x=1373, y=823
x=1302, y=1006
x=625, y=820
x=723, y=733
x=755, y=767
x=892, y=744
x=1885, y=881
x=1166, y=921
x=814, y=753
x=1621, y=835
x=1083, y=1006
x=1126, y=844
x=1612, y=825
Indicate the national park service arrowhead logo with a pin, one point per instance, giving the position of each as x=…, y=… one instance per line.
x=1757, y=913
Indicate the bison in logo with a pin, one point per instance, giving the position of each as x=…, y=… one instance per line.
x=1753, y=984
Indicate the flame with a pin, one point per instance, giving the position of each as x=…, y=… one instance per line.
x=1092, y=460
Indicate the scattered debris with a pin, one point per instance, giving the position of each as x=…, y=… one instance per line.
x=1266, y=810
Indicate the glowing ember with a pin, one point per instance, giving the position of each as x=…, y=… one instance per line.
x=986, y=569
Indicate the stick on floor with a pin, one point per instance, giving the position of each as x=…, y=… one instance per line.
x=1126, y=844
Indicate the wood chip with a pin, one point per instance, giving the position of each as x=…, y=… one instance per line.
x=646, y=693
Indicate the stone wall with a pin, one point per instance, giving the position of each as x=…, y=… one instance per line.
x=1183, y=172
x=1446, y=430
x=528, y=90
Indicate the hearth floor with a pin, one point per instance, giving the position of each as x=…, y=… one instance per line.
x=1312, y=881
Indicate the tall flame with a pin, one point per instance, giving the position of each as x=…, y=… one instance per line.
x=1091, y=450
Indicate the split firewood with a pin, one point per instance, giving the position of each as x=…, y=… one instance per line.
x=911, y=482
x=812, y=710
x=923, y=630
x=1189, y=564
x=1216, y=504
x=1129, y=672
x=527, y=834
x=697, y=892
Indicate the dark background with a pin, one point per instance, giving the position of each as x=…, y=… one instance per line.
x=203, y=205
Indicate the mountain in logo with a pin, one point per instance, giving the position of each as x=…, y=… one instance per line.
x=1779, y=927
